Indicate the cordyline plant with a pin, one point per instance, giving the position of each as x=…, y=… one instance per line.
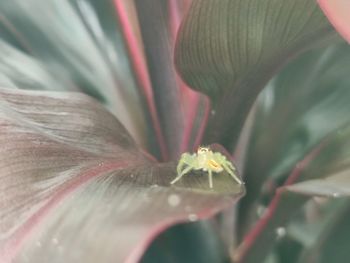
x=86, y=177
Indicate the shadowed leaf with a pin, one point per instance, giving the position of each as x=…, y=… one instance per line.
x=230, y=49
x=325, y=162
x=196, y=242
x=153, y=18
x=331, y=239
x=308, y=100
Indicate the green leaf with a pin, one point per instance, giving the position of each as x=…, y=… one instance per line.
x=229, y=49
x=72, y=43
x=331, y=160
x=198, y=242
x=332, y=239
x=308, y=100
x=330, y=168
x=75, y=187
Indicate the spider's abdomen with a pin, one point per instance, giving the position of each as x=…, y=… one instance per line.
x=214, y=166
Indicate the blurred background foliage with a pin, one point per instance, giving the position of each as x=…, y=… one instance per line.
x=276, y=67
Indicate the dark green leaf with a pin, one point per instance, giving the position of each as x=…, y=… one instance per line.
x=195, y=243
x=229, y=49
x=331, y=160
x=332, y=242
x=308, y=100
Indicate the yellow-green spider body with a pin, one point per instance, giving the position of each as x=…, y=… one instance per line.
x=205, y=160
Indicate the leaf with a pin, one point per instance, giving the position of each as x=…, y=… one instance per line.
x=195, y=242
x=323, y=161
x=75, y=188
x=83, y=56
x=230, y=49
x=334, y=186
x=152, y=15
x=331, y=242
x=127, y=19
x=337, y=12
x=305, y=102
x=260, y=240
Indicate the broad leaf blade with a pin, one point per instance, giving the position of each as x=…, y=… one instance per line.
x=74, y=186
x=230, y=49
x=118, y=217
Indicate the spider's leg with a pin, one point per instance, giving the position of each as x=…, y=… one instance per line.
x=180, y=166
x=210, y=178
x=230, y=165
x=231, y=172
x=185, y=171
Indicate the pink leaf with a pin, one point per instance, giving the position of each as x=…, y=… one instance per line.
x=337, y=11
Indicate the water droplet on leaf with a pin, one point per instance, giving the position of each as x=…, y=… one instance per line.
x=192, y=217
x=335, y=195
x=281, y=231
x=174, y=200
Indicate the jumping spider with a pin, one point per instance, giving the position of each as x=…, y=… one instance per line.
x=206, y=160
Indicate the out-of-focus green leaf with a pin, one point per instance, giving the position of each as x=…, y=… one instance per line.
x=197, y=242
x=334, y=186
x=319, y=212
x=330, y=160
x=71, y=40
x=261, y=240
x=332, y=240
x=229, y=49
x=20, y=70
x=306, y=101
x=330, y=168
x=75, y=188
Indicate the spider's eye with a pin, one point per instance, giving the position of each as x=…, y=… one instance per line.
x=202, y=150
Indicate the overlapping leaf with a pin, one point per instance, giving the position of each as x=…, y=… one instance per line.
x=337, y=11
x=156, y=40
x=330, y=162
x=230, y=49
x=306, y=101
